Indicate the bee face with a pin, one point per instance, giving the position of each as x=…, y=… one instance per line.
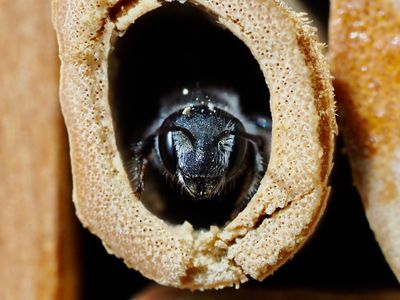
x=200, y=149
x=201, y=143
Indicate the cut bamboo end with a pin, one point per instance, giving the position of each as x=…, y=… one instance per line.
x=293, y=193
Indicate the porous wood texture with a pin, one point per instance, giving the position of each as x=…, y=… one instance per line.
x=37, y=245
x=365, y=51
x=299, y=6
x=292, y=195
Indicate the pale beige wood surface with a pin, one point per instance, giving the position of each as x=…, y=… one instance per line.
x=292, y=195
x=365, y=53
x=37, y=250
x=300, y=7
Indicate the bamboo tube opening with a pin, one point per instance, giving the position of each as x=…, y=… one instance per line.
x=169, y=48
x=293, y=191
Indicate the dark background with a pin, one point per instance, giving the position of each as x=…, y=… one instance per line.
x=341, y=256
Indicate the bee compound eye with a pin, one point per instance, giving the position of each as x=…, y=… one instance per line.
x=237, y=156
x=167, y=151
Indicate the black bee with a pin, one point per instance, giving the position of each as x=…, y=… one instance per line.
x=203, y=144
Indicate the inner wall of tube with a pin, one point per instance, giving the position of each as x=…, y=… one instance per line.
x=169, y=48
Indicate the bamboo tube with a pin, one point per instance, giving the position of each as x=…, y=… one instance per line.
x=293, y=193
x=299, y=6
x=37, y=242
x=364, y=46
x=156, y=292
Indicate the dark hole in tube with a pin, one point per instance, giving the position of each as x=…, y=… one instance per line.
x=172, y=47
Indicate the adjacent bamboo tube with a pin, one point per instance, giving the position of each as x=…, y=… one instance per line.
x=163, y=293
x=37, y=242
x=365, y=50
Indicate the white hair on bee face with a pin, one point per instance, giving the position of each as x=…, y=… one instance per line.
x=225, y=144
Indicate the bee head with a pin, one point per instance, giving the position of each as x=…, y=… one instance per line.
x=203, y=147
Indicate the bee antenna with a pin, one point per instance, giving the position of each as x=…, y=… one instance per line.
x=256, y=139
x=185, y=131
